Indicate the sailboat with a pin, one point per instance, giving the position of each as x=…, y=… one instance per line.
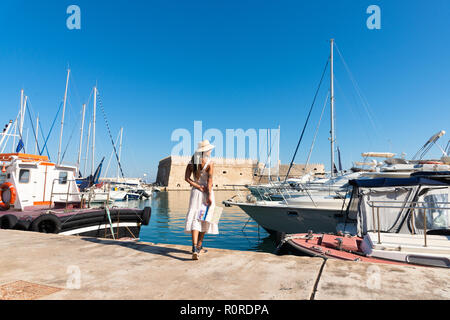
x=39, y=195
x=311, y=210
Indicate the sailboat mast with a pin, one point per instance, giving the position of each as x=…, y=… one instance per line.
x=93, y=131
x=87, y=149
x=23, y=115
x=22, y=111
x=332, y=106
x=120, y=152
x=62, y=118
x=81, y=137
x=36, y=134
x=18, y=120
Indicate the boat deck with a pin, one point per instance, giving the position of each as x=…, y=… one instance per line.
x=35, y=211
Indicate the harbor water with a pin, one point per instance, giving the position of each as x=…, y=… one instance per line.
x=169, y=209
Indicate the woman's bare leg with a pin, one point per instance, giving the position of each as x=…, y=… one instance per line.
x=200, y=239
x=195, y=244
x=195, y=237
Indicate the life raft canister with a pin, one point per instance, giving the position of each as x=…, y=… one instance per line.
x=5, y=205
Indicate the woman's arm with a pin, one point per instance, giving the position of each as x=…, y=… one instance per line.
x=210, y=182
x=187, y=178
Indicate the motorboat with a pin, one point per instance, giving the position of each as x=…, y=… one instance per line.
x=39, y=195
x=397, y=221
x=293, y=211
x=324, y=213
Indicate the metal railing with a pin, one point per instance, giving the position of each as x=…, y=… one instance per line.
x=414, y=205
x=91, y=194
x=265, y=192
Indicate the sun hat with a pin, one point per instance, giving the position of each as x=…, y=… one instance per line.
x=204, y=146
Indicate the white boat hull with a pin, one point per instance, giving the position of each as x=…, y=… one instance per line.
x=278, y=217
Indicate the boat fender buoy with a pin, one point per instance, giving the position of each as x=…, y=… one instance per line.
x=6, y=204
x=23, y=225
x=146, y=215
x=8, y=221
x=46, y=223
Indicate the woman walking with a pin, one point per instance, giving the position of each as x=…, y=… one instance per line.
x=201, y=169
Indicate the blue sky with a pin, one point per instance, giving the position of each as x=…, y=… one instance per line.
x=160, y=65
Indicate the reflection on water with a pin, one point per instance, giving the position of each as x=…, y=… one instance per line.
x=168, y=218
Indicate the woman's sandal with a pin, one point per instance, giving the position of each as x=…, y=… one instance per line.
x=201, y=250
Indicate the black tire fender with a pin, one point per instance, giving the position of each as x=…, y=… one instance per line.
x=46, y=223
x=146, y=214
x=22, y=225
x=8, y=221
x=279, y=237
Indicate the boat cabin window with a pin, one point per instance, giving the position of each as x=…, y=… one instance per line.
x=2, y=178
x=24, y=176
x=63, y=177
x=438, y=214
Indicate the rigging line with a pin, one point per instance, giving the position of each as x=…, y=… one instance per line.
x=32, y=125
x=307, y=119
x=10, y=134
x=31, y=110
x=110, y=135
x=361, y=96
x=317, y=129
x=76, y=87
x=43, y=137
x=357, y=115
x=110, y=157
x=358, y=90
x=68, y=142
x=23, y=144
x=50, y=131
x=73, y=129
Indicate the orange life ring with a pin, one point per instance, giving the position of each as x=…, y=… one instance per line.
x=12, y=198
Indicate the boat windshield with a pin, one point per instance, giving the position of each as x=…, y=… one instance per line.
x=436, y=207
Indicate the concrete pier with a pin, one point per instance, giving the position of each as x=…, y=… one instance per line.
x=47, y=266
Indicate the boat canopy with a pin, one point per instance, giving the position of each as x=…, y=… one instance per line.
x=400, y=205
x=398, y=182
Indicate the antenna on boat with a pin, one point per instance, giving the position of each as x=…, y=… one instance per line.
x=332, y=106
x=62, y=118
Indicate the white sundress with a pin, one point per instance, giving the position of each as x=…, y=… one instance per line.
x=196, y=200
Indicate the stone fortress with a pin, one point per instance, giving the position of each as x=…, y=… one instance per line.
x=229, y=172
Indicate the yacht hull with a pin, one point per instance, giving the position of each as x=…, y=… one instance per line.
x=293, y=219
